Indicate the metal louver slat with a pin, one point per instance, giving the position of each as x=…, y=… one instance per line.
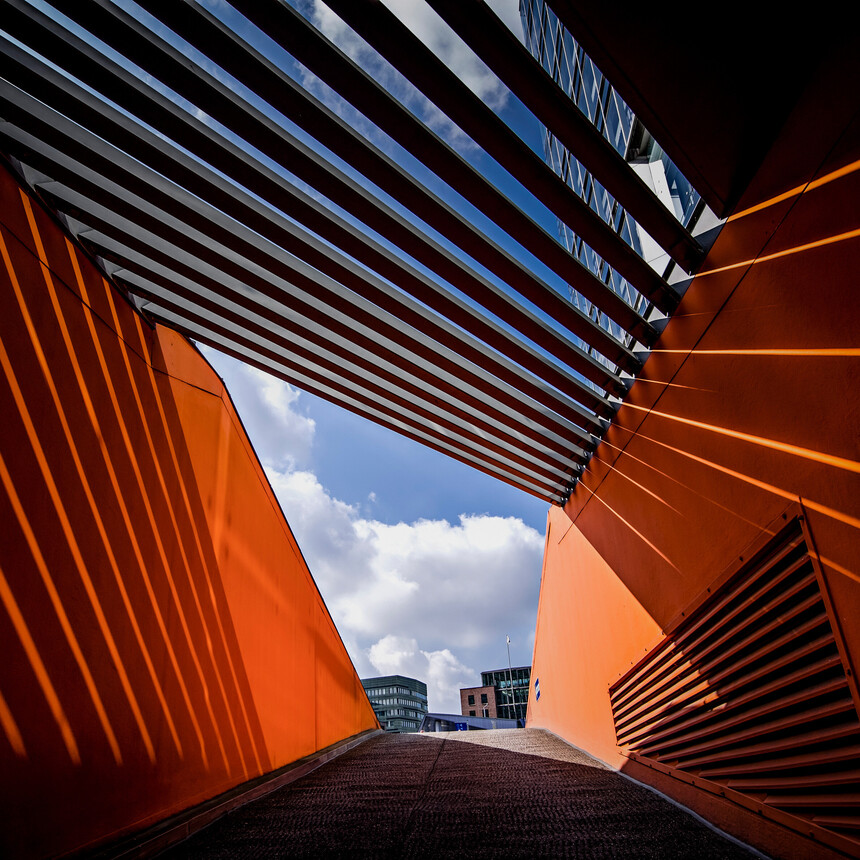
x=491, y=40
x=673, y=745
x=698, y=714
x=376, y=25
x=231, y=347
x=669, y=649
x=147, y=148
x=838, y=732
x=825, y=800
x=755, y=702
x=848, y=777
x=291, y=31
x=844, y=753
x=143, y=47
x=724, y=706
x=715, y=646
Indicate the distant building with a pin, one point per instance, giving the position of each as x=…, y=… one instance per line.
x=459, y=723
x=478, y=702
x=504, y=694
x=399, y=703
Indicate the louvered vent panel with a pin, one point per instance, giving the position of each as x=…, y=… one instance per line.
x=749, y=692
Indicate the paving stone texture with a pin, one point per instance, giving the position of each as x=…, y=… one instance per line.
x=516, y=793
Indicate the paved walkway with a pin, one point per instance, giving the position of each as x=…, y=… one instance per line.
x=507, y=793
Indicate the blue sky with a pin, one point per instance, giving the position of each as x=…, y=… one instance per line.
x=408, y=480
x=425, y=564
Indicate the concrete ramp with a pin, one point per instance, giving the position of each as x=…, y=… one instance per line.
x=506, y=793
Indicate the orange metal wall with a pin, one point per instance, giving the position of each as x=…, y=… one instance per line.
x=747, y=408
x=162, y=637
x=589, y=626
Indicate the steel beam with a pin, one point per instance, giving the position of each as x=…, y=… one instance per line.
x=165, y=63
x=112, y=126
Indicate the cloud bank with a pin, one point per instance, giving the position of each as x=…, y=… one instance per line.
x=430, y=599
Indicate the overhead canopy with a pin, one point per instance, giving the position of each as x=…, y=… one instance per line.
x=195, y=166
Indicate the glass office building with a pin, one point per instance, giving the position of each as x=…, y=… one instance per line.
x=512, y=690
x=399, y=703
x=564, y=59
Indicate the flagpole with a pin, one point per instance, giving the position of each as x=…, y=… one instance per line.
x=510, y=682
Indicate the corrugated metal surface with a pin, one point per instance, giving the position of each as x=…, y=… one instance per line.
x=750, y=693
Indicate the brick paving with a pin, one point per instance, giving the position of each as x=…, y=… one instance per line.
x=508, y=793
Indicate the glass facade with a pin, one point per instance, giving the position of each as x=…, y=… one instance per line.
x=399, y=703
x=564, y=59
x=512, y=690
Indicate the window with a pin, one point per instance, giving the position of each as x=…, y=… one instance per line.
x=472, y=701
x=483, y=699
x=471, y=713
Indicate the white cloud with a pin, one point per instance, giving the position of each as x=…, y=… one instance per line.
x=443, y=673
x=446, y=675
x=324, y=528
x=282, y=436
x=394, y=655
x=447, y=45
x=450, y=566
x=430, y=599
x=509, y=12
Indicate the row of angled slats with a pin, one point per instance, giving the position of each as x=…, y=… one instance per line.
x=709, y=673
x=649, y=670
x=750, y=692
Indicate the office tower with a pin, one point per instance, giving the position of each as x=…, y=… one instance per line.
x=398, y=702
x=494, y=698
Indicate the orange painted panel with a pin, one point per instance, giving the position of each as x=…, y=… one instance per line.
x=163, y=639
x=746, y=409
x=590, y=628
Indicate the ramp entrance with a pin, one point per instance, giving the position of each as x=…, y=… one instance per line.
x=504, y=793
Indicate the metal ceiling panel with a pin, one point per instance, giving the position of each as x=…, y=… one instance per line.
x=328, y=263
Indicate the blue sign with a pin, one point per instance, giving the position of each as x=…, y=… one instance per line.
x=461, y=727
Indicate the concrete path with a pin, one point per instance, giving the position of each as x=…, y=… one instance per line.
x=507, y=793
